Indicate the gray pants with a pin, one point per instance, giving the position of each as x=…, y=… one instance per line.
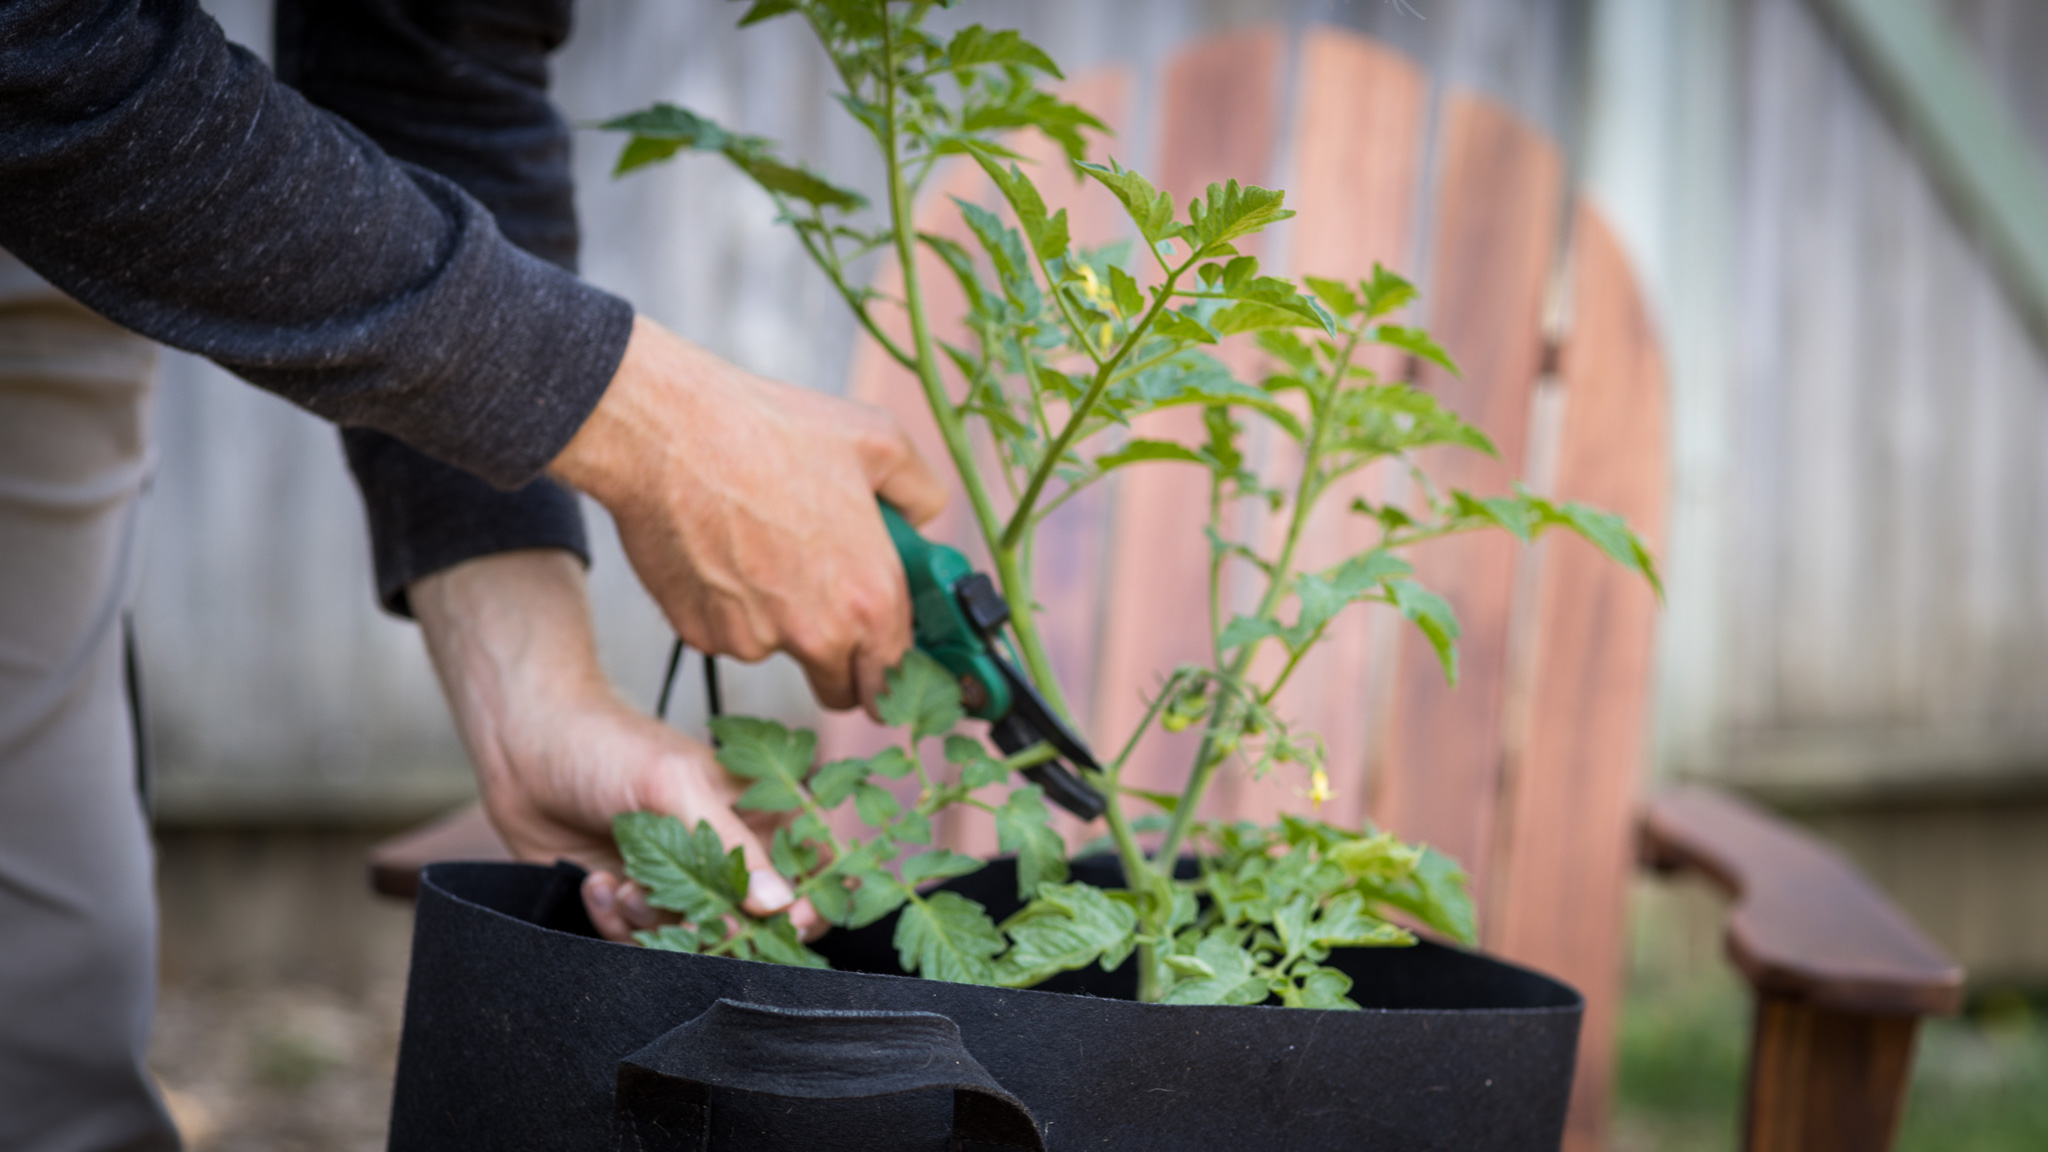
x=77, y=914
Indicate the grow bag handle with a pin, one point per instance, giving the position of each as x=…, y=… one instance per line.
x=663, y=1100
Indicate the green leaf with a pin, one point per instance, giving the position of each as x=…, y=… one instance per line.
x=875, y=805
x=1612, y=535
x=1149, y=208
x=1378, y=859
x=1005, y=250
x=1385, y=292
x=1244, y=630
x=1123, y=290
x=1418, y=342
x=1023, y=827
x=791, y=854
x=1384, y=419
x=681, y=871
x=878, y=895
x=1048, y=234
x=1431, y=613
x=1335, y=295
x=776, y=758
x=1233, y=982
x=1168, y=802
x=670, y=938
x=1067, y=926
x=974, y=46
x=1228, y=211
x=1180, y=325
x=1291, y=919
x=1437, y=895
x=1019, y=105
x=1517, y=514
x=920, y=695
x=1324, y=594
x=913, y=828
x=892, y=762
x=1138, y=451
x=662, y=130
x=978, y=769
x=834, y=782
x=1193, y=377
x=939, y=864
x=767, y=10
x=777, y=942
x=1326, y=988
x=1189, y=966
x=1345, y=923
x=962, y=265
x=946, y=936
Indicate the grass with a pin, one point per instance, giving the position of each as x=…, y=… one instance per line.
x=1980, y=1083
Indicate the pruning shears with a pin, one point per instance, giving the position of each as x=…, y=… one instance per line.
x=959, y=617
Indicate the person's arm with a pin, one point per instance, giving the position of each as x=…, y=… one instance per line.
x=164, y=178
x=557, y=753
x=459, y=90
x=167, y=180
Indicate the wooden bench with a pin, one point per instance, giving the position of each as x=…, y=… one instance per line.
x=1531, y=770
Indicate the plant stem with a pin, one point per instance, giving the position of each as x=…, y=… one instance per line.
x=1020, y=519
x=901, y=218
x=1207, y=759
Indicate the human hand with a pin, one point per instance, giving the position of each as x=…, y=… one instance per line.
x=557, y=753
x=747, y=508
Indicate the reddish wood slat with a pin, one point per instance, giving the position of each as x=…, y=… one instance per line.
x=1497, y=212
x=1568, y=805
x=1361, y=109
x=1221, y=98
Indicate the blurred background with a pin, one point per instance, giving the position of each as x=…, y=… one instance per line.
x=1857, y=624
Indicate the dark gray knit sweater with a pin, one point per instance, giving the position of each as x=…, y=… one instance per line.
x=167, y=180
x=164, y=178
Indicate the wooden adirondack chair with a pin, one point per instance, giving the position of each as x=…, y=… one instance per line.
x=1530, y=770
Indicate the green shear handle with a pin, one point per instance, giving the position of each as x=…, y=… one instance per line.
x=958, y=621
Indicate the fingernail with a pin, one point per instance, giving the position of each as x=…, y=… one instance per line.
x=599, y=893
x=766, y=889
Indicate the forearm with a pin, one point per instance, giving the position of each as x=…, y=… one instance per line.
x=164, y=178
x=508, y=633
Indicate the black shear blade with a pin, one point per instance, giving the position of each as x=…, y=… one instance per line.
x=1030, y=721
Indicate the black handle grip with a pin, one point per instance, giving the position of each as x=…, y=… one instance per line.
x=663, y=1098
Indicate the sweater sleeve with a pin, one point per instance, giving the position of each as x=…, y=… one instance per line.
x=459, y=89
x=166, y=179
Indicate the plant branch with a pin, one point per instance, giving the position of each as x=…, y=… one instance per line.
x=902, y=221
x=1208, y=757
x=1076, y=417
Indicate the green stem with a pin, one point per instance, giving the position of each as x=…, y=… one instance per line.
x=1208, y=758
x=1057, y=451
x=951, y=428
x=860, y=311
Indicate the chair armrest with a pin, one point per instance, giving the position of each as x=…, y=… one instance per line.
x=1806, y=923
x=464, y=834
x=1842, y=977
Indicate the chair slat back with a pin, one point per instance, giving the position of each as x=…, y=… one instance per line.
x=1570, y=794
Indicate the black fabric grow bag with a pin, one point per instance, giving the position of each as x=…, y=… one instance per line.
x=525, y=1031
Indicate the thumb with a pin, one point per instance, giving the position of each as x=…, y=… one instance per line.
x=902, y=478
x=687, y=793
